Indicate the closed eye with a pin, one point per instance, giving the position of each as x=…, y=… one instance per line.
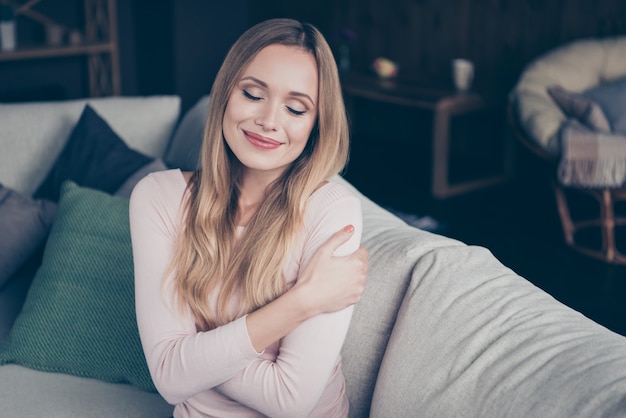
x=249, y=96
x=296, y=112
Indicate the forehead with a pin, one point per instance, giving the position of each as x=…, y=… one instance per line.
x=285, y=67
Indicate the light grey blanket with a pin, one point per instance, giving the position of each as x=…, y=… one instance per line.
x=590, y=158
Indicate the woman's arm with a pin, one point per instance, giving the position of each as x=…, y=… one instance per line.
x=316, y=291
x=293, y=384
x=182, y=361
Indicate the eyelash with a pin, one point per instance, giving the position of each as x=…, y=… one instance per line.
x=249, y=96
x=291, y=110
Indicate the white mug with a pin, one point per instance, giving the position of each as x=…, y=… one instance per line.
x=54, y=34
x=462, y=73
x=7, y=35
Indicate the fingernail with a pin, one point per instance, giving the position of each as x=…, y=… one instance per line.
x=349, y=228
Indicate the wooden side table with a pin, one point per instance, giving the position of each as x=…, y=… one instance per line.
x=445, y=105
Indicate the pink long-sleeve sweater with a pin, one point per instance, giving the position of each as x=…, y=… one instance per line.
x=218, y=373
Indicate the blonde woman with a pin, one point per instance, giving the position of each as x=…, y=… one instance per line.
x=247, y=270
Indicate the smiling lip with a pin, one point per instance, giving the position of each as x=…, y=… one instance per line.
x=261, y=141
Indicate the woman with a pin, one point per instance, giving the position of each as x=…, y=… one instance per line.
x=244, y=287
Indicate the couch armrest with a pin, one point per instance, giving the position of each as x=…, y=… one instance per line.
x=474, y=339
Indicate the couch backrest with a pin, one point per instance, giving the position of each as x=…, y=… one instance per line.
x=32, y=135
x=183, y=151
x=394, y=249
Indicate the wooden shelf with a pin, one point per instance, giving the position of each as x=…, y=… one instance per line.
x=99, y=46
x=51, y=52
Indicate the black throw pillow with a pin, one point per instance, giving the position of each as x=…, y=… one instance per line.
x=94, y=156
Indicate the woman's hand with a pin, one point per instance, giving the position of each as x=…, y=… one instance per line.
x=330, y=283
x=327, y=284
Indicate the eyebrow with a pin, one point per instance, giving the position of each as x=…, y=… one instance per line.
x=291, y=93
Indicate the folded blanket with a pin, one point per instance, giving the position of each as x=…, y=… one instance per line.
x=590, y=158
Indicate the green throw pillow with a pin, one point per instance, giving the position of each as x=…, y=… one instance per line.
x=79, y=315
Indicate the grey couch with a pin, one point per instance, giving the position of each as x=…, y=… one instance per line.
x=443, y=329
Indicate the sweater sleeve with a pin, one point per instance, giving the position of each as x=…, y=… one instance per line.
x=293, y=384
x=182, y=361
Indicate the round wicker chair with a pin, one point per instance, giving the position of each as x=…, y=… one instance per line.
x=536, y=121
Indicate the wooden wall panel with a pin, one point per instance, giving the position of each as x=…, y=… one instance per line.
x=500, y=36
x=506, y=35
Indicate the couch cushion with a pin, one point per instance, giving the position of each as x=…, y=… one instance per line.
x=94, y=156
x=473, y=339
x=31, y=393
x=611, y=97
x=79, y=315
x=184, y=149
x=13, y=293
x=33, y=134
x=580, y=107
x=24, y=223
x=394, y=247
x=602, y=108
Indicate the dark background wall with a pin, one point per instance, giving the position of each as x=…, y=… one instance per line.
x=166, y=47
x=179, y=45
x=169, y=46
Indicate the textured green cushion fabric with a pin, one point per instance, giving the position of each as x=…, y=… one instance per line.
x=79, y=315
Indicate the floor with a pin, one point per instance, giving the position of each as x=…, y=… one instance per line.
x=517, y=221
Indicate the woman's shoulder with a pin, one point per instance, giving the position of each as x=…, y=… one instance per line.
x=331, y=196
x=160, y=186
x=330, y=208
x=165, y=180
x=330, y=192
x=159, y=196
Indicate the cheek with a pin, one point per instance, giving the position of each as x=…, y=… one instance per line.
x=227, y=113
x=236, y=107
x=302, y=131
x=231, y=116
x=234, y=103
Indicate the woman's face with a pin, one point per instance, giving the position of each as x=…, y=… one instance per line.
x=272, y=109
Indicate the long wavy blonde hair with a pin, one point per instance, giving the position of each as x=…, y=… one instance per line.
x=209, y=258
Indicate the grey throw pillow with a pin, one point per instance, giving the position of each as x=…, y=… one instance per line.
x=24, y=226
x=184, y=148
x=580, y=107
x=611, y=97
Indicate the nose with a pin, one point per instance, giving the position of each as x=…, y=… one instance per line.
x=269, y=116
